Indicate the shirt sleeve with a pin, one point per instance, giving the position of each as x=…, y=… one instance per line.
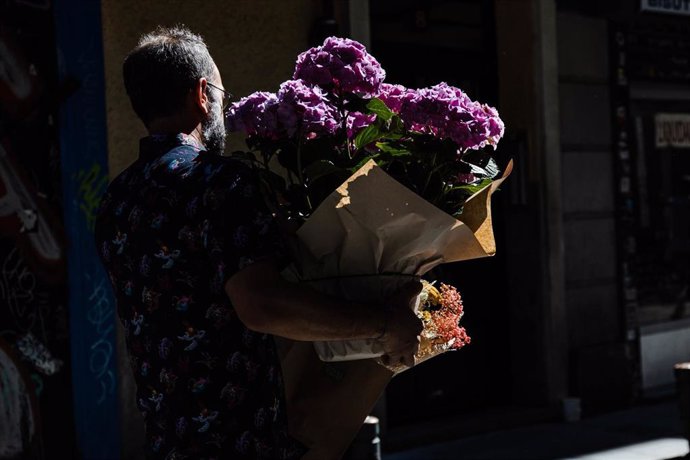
x=238, y=229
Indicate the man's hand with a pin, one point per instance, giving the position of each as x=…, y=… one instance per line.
x=401, y=337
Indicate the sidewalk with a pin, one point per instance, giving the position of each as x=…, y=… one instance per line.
x=648, y=432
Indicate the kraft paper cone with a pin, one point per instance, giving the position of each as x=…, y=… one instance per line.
x=354, y=233
x=327, y=402
x=372, y=224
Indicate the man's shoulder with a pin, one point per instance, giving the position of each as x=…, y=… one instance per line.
x=222, y=171
x=179, y=159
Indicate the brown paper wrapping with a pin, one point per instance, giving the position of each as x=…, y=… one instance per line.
x=371, y=224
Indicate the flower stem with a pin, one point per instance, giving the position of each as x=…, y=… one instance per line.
x=343, y=125
x=299, y=173
x=299, y=160
x=428, y=177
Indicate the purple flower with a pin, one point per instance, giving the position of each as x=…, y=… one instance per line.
x=255, y=114
x=394, y=95
x=356, y=121
x=341, y=65
x=447, y=112
x=305, y=108
x=296, y=108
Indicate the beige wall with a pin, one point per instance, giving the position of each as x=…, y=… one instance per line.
x=254, y=43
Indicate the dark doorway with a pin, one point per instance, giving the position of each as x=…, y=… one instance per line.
x=421, y=43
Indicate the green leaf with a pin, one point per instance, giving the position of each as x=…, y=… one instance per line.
x=471, y=189
x=481, y=164
x=393, y=150
x=368, y=135
x=364, y=160
x=324, y=186
x=287, y=157
x=392, y=136
x=319, y=169
x=318, y=149
x=378, y=107
x=490, y=170
x=397, y=125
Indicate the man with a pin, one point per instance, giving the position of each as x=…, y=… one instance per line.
x=194, y=258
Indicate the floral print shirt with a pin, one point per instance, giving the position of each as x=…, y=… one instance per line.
x=171, y=230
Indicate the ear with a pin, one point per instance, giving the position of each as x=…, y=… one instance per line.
x=199, y=96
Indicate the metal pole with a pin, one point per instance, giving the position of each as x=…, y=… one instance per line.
x=367, y=443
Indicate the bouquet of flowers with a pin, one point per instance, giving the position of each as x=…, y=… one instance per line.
x=388, y=182
x=337, y=113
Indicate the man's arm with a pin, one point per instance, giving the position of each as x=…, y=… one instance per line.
x=265, y=302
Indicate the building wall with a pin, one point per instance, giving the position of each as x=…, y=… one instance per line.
x=588, y=207
x=598, y=359
x=528, y=103
x=254, y=44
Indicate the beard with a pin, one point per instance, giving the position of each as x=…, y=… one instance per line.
x=213, y=128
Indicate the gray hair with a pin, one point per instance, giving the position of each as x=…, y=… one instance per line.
x=161, y=70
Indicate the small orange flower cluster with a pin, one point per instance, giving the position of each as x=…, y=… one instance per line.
x=441, y=310
x=447, y=317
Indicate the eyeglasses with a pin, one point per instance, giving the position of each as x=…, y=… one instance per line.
x=227, y=95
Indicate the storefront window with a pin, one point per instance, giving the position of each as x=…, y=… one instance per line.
x=663, y=224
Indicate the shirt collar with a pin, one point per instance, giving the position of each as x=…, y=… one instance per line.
x=156, y=145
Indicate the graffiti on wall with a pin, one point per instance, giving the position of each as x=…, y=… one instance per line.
x=25, y=219
x=100, y=315
x=91, y=186
x=17, y=399
x=35, y=401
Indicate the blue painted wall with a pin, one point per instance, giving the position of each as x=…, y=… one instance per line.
x=84, y=162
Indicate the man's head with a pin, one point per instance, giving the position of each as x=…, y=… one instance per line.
x=167, y=78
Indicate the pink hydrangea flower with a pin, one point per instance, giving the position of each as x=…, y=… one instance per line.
x=296, y=108
x=447, y=112
x=305, y=108
x=356, y=121
x=394, y=95
x=256, y=115
x=341, y=65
